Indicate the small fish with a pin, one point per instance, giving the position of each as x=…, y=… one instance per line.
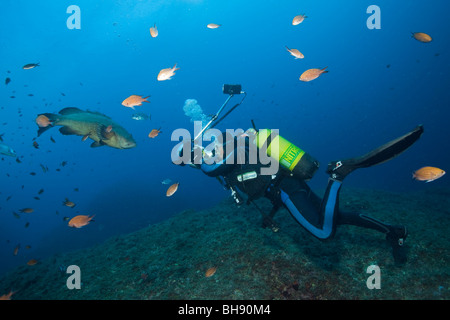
x=312, y=74
x=134, y=101
x=6, y=150
x=7, y=80
x=27, y=224
x=172, y=189
x=52, y=140
x=154, y=133
x=30, y=66
x=66, y=219
x=80, y=221
x=167, y=181
x=298, y=19
x=428, y=174
x=16, y=250
x=76, y=189
x=140, y=116
x=9, y=197
x=213, y=25
x=422, y=37
x=16, y=215
x=32, y=262
x=68, y=203
x=30, y=95
x=297, y=54
x=43, y=121
x=27, y=210
x=167, y=74
x=27, y=246
x=36, y=198
x=64, y=163
x=7, y=296
x=210, y=272
x=36, y=145
x=44, y=168
x=32, y=173
x=12, y=97
x=1, y=136
x=154, y=31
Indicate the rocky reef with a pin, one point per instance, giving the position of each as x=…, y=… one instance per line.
x=169, y=260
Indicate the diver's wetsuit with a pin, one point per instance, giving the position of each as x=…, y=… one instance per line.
x=318, y=216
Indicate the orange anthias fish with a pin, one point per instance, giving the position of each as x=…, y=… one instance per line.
x=154, y=133
x=210, y=272
x=167, y=74
x=298, y=19
x=26, y=210
x=32, y=262
x=154, y=31
x=80, y=221
x=68, y=203
x=7, y=296
x=312, y=74
x=297, y=54
x=134, y=100
x=16, y=250
x=428, y=174
x=213, y=25
x=422, y=37
x=42, y=121
x=172, y=189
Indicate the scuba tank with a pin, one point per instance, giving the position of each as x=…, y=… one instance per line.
x=291, y=158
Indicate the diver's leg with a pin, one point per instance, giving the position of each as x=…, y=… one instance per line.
x=395, y=234
x=340, y=169
x=305, y=206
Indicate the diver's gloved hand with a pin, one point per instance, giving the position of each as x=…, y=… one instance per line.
x=268, y=222
x=179, y=157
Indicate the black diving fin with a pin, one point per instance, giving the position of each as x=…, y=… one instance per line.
x=340, y=169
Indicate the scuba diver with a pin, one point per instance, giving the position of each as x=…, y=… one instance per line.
x=288, y=186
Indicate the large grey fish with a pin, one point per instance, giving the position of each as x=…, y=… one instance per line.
x=6, y=150
x=88, y=124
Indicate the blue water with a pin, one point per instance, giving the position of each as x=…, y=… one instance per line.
x=381, y=84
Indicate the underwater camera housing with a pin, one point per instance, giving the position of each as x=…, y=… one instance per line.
x=232, y=89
